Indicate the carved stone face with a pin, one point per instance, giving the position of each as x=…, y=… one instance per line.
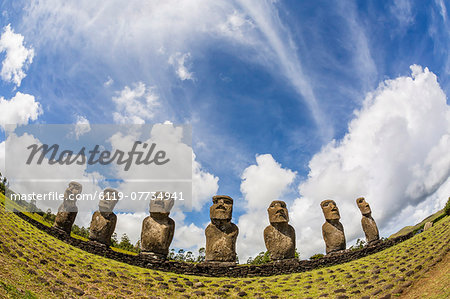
x=222, y=207
x=330, y=210
x=363, y=206
x=109, y=201
x=161, y=204
x=278, y=212
x=72, y=191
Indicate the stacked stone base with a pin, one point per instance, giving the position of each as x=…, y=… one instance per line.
x=217, y=269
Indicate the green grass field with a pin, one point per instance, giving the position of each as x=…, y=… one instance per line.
x=34, y=264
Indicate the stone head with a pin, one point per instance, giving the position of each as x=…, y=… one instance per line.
x=110, y=198
x=222, y=208
x=363, y=206
x=330, y=210
x=278, y=212
x=161, y=203
x=72, y=191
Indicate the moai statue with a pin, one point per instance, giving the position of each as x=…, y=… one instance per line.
x=332, y=229
x=368, y=224
x=67, y=211
x=279, y=236
x=221, y=234
x=428, y=225
x=104, y=220
x=158, y=228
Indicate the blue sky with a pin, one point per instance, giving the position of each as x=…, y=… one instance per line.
x=253, y=78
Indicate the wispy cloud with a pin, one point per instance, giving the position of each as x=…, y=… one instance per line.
x=443, y=9
x=358, y=44
x=265, y=16
x=402, y=10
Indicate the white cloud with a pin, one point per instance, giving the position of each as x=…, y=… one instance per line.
x=262, y=183
x=108, y=82
x=19, y=110
x=18, y=57
x=395, y=154
x=2, y=156
x=189, y=237
x=135, y=105
x=130, y=224
x=179, y=61
x=204, y=185
x=82, y=126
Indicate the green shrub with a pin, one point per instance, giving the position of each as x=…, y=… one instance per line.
x=3, y=184
x=360, y=243
x=447, y=207
x=317, y=256
x=261, y=258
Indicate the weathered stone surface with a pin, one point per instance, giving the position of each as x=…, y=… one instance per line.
x=158, y=228
x=279, y=236
x=221, y=234
x=332, y=229
x=368, y=224
x=104, y=221
x=67, y=211
x=428, y=225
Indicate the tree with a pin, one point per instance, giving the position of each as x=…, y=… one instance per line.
x=297, y=254
x=171, y=255
x=114, y=240
x=3, y=184
x=138, y=245
x=189, y=257
x=261, y=258
x=360, y=243
x=49, y=217
x=80, y=231
x=201, y=255
x=125, y=243
x=180, y=255
x=447, y=207
x=33, y=207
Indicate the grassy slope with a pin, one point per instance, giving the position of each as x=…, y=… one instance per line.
x=434, y=284
x=407, y=229
x=36, y=264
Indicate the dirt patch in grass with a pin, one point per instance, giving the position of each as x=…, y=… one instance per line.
x=434, y=283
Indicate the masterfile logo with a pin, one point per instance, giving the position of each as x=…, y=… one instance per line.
x=137, y=160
